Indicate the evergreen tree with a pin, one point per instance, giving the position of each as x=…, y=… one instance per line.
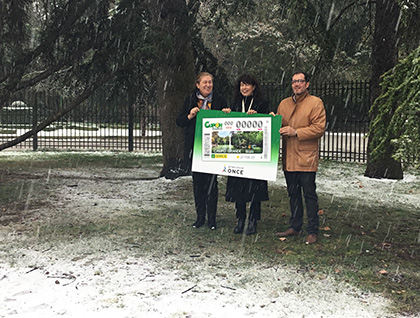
x=397, y=123
x=384, y=58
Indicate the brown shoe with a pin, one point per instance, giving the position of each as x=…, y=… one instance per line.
x=288, y=232
x=311, y=239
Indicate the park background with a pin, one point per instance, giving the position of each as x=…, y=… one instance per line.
x=138, y=57
x=74, y=69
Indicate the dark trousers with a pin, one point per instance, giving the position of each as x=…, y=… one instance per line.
x=205, y=195
x=254, y=210
x=296, y=182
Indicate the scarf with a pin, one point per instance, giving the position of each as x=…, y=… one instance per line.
x=244, y=102
x=204, y=102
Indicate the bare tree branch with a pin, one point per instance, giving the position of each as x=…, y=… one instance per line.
x=351, y=4
x=76, y=102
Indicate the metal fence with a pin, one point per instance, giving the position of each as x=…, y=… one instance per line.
x=347, y=106
x=97, y=124
x=102, y=124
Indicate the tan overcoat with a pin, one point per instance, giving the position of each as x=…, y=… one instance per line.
x=307, y=115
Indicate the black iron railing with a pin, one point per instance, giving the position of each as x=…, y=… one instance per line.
x=101, y=124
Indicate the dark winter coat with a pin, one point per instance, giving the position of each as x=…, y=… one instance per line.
x=244, y=189
x=218, y=103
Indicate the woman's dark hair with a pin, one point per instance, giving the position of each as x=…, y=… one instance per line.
x=247, y=79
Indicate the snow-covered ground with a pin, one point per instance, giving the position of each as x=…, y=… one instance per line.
x=347, y=180
x=96, y=277
x=114, y=285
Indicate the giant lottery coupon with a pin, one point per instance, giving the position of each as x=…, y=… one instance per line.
x=237, y=144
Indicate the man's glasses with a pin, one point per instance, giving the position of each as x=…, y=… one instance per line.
x=300, y=81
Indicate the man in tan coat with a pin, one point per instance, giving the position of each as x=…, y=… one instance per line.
x=303, y=123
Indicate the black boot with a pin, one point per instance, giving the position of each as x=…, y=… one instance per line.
x=252, y=227
x=200, y=222
x=239, y=228
x=211, y=219
x=212, y=223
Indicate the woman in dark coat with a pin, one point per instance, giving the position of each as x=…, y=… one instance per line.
x=248, y=99
x=205, y=184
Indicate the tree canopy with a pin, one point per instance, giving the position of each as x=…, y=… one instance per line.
x=148, y=51
x=271, y=38
x=73, y=48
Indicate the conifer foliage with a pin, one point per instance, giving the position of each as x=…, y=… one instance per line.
x=400, y=91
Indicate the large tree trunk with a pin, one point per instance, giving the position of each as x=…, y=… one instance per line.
x=175, y=81
x=384, y=57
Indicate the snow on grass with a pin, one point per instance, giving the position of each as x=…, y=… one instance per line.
x=98, y=277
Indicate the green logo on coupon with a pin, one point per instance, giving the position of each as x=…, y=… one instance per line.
x=213, y=125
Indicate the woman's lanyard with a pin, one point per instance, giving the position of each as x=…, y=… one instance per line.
x=250, y=105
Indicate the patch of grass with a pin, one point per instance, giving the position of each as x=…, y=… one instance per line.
x=39, y=160
x=14, y=191
x=371, y=246
x=15, y=195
